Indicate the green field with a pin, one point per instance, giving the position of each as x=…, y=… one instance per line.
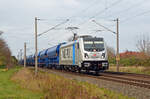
x=11, y=90
x=21, y=83
x=132, y=69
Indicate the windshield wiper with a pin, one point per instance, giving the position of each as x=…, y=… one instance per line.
x=94, y=46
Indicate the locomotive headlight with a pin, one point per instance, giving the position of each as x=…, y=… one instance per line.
x=103, y=55
x=86, y=55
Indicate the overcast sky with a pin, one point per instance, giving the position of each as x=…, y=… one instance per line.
x=17, y=21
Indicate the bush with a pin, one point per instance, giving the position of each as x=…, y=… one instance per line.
x=131, y=61
x=112, y=60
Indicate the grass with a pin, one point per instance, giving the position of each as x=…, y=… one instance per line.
x=132, y=69
x=11, y=90
x=57, y=87
x=2, y=67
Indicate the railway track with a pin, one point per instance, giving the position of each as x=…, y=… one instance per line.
x=128, y=79
x=128, y=74
x=125, y=80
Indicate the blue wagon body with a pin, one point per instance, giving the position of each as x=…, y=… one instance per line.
x=28, y=60
x=53, y=55
x=46, y=58
x=42, y=58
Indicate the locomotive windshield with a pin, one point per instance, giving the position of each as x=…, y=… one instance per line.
x=93, y=44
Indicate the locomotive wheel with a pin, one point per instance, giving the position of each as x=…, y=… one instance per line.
x=79, y=70
x=97, y=73
x=73, y=69
x=87, y=71
x=62, y=67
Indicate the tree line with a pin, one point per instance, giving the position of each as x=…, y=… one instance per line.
x=6, y=60
x=141, y=57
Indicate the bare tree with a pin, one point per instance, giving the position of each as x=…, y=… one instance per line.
x=5, y=53
x=143, y=44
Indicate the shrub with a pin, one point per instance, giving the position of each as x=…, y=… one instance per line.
x=131, y=61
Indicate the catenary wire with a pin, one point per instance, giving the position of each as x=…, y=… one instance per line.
x=133, y=17
x=128, y=9
x=102, y=11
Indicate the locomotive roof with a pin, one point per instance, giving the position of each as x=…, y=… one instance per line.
x=93, y=39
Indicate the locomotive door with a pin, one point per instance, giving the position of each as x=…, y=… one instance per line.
x=77, y=58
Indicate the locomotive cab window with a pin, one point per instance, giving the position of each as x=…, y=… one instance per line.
x=93, y=44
